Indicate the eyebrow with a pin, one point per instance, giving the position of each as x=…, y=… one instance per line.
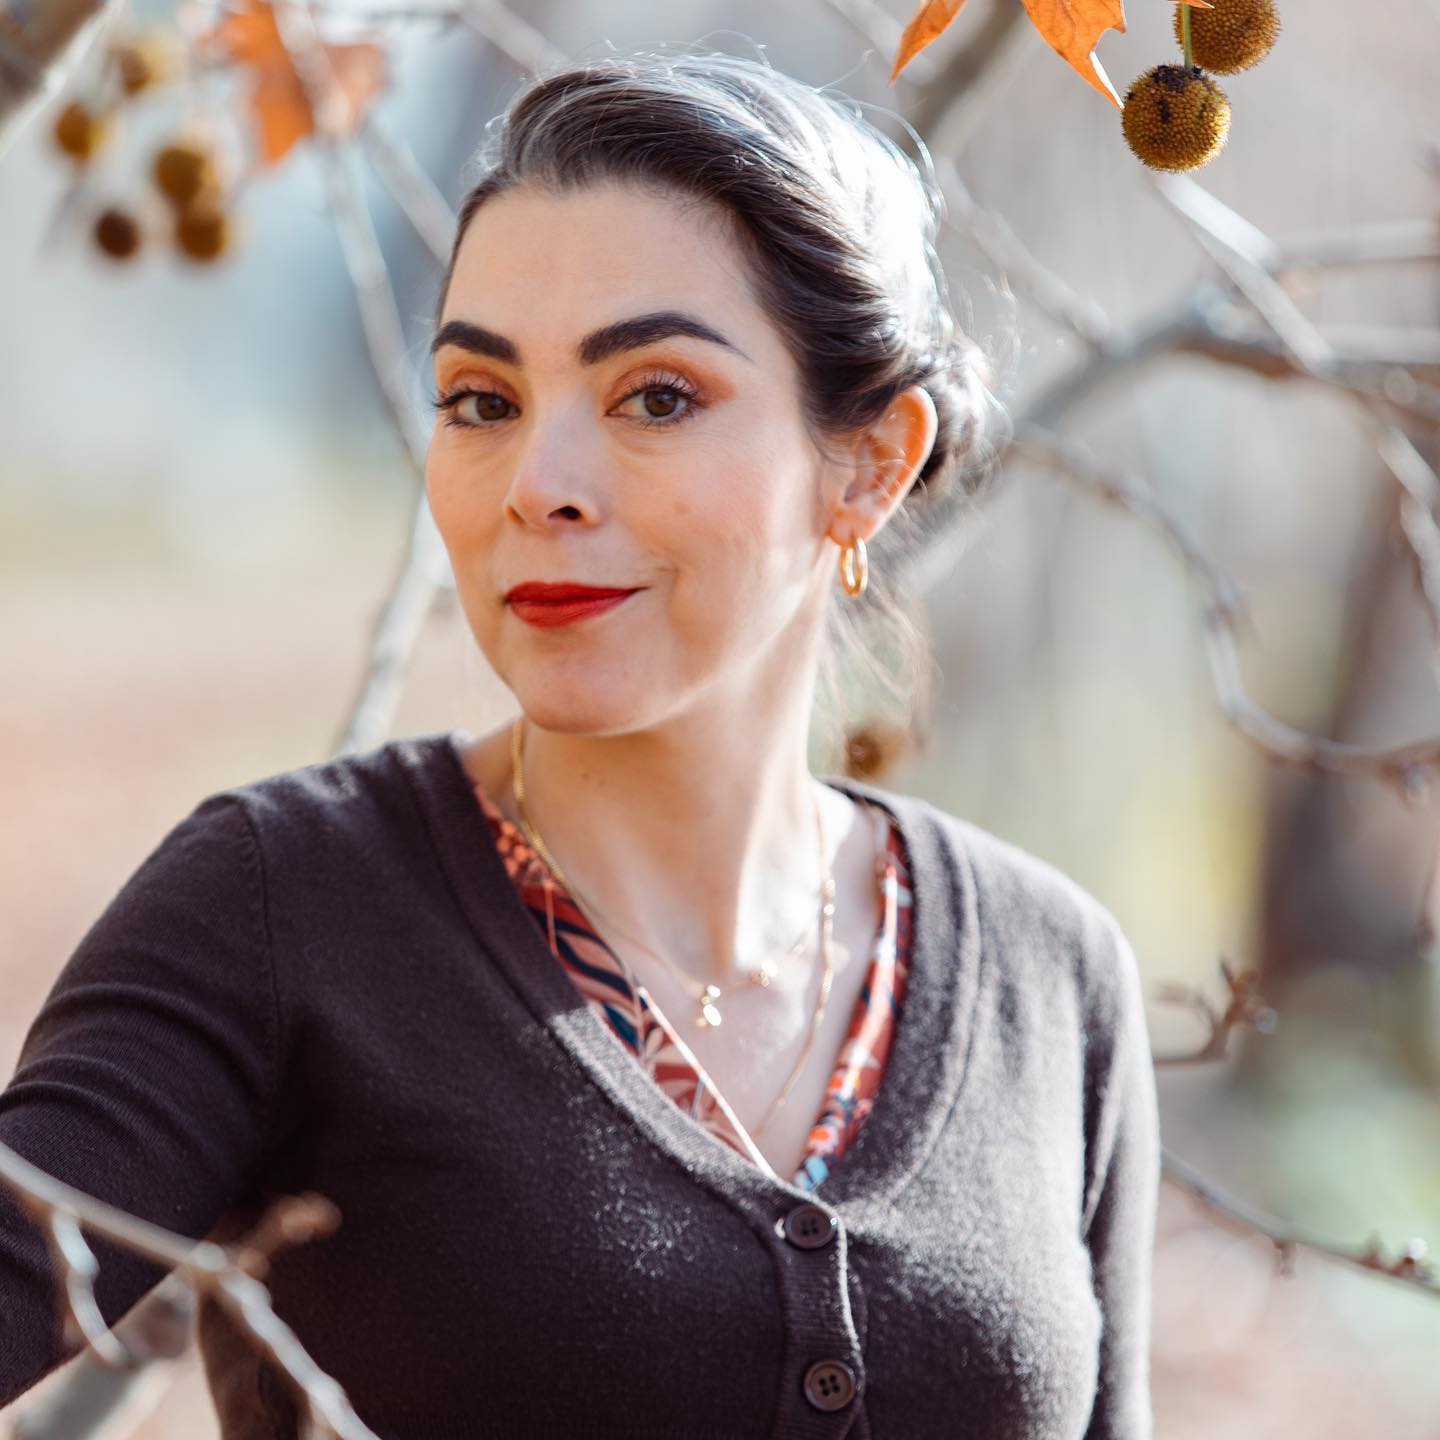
x=598, y=345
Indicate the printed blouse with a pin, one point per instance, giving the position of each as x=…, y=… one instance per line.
x=625, y=1006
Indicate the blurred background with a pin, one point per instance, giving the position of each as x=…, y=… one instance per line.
x=205, y=503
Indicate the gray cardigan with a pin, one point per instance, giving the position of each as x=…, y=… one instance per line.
x=325, y=980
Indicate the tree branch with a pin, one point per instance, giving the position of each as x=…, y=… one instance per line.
x=41, y=43
x=229, y=1273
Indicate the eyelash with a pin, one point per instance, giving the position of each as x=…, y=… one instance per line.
x=659, y=381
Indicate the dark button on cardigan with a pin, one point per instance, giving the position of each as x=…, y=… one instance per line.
x=829, y=1385
x=811, y=1227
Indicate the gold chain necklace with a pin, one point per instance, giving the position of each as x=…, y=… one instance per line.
x=708, y=995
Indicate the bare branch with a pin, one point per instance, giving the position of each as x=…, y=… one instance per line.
x=416, y=194
x=1245, y=1007
x=1395, y=347
x=1206, y=323
x=1387, y=242
x=1210, y=216
x=1234, y=247
x=364, y=261
x=991, y=234
x=39, y=53
x=1399, y=766
x=396, y=633
x=418, y=13
x=1419, y=507
x=1114, y=486
x=228, y=1273
x=1247, y=256
x=974, y=76
x=91, y=1394
x=513, y=37
x=1407, y=1269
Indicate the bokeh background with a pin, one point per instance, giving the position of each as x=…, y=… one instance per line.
x=204, y=503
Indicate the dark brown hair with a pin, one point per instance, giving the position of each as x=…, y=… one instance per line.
x=838, y=226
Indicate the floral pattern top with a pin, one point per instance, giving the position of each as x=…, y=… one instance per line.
x=626, y=1007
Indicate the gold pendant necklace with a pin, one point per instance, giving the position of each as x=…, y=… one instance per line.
x=709, y=995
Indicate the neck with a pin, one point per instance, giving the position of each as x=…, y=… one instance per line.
x=697, y=836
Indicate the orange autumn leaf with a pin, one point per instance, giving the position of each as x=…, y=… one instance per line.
x=281, y=110
x=279, y=106
x=927, y=24
x=1072, y=28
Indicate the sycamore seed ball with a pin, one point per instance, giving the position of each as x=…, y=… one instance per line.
x=1174, y=118
x=116, y=233
x=873, y=747
x=1232, y=36
x=79, y=131
x=182, y=171
x=144, y=62
x=202, y=230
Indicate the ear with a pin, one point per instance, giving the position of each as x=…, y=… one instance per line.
x=885, y=460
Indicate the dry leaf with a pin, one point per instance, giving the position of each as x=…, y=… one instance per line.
x=1072, y=28
x=279, y=106
x=927, y=24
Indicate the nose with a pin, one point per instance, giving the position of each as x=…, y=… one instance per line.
x=548, y=483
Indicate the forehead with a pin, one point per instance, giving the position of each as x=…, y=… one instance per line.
x=550, y=263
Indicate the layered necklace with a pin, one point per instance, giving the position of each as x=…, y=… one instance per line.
x=708, y=996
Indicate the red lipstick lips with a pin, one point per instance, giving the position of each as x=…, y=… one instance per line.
x=562, y=603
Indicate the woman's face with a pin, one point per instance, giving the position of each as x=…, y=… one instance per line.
x=616, y=410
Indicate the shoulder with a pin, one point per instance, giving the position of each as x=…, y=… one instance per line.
x=342, y=786
x=1036, y=923
x=1031, y=896
x=350, y=809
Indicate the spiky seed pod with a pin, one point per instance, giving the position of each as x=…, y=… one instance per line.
x=116, y=233
x=202, y=229
x=1174, y=118
x=146, y=61
x=1232, y=36
x=182, y=171
x=874, y=747
x=79, y=131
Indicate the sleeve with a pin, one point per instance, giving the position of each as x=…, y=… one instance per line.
x=148, y=1076
x=1122, y=1191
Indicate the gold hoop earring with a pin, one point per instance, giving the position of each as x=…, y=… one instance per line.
x=854, y=567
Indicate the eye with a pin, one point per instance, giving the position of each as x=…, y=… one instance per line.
x=487, y=401
x=677, y=399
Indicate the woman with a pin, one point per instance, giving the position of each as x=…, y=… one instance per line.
x=664, y=1089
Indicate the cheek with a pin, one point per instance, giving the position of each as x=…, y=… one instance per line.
x=737, y=548
x=439, y=487
x=457, y=504
x=468, y=534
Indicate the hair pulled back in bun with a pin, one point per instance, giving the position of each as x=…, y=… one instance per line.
x=838, y=226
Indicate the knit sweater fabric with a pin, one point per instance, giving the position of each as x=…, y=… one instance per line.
x=326, y=980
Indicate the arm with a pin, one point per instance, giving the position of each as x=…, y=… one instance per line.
x=1122, y=1184
x=148, y=1076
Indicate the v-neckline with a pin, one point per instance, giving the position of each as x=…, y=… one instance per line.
x=926, y=1068
x=881, y=956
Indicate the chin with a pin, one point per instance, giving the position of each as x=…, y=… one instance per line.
x=573, y=711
